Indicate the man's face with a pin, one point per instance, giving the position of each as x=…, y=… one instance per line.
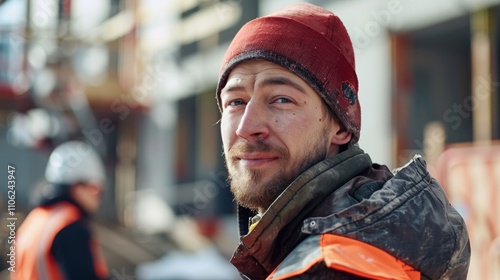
x=274, y=126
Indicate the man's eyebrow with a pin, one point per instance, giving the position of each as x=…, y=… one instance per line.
x=232, y=88
x=279, y=80
x=268, y=81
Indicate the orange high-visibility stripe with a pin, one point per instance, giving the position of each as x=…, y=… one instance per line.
x=297, y=272
x=100, y=266
x=35, y=238
x=357, y=258
x=363, y=259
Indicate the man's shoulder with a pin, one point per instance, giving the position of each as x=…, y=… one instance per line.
x=416, y=164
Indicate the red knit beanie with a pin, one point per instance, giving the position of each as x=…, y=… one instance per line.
x=312, y=43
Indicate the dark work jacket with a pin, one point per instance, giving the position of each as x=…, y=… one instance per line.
x=405, y=214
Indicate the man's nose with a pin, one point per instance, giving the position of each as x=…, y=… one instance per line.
x=253, y=124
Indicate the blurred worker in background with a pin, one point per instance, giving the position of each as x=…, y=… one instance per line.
x=55, y=240
x=312, y=205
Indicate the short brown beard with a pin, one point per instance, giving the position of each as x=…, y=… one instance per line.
x=259, y=198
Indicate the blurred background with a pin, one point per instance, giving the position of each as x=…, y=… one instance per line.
x=136, y=79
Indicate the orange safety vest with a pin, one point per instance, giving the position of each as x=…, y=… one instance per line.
x=34, y=241
x=351, y=256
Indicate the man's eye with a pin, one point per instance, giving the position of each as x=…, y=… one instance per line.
x=236, y=102
x=283, y=100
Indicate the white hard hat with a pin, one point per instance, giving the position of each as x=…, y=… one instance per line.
x=74, y=162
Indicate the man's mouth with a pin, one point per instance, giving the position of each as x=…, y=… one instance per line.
x=255, y=160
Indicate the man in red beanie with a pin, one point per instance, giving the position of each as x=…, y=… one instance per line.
x=311, y=204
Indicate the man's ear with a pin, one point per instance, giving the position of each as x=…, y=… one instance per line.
x=340, y=135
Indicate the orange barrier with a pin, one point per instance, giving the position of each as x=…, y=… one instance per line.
x=470, y=174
